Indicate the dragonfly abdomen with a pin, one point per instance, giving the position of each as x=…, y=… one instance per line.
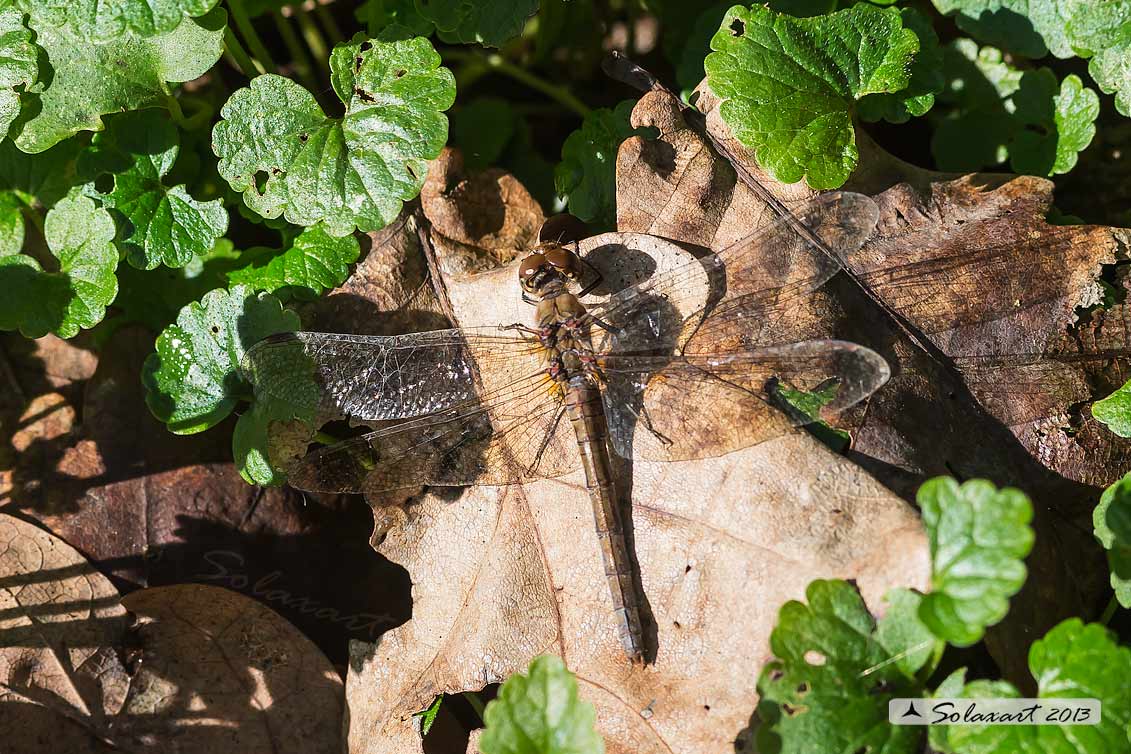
x=587, y=414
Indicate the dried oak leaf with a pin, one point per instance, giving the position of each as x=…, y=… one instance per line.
x=502, y=574
x=149, y=508
x=997, y=385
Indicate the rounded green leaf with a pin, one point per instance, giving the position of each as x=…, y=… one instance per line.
x=105, y=21
x=488, y=22
x=315, y=261
x=1054, y=126
x=926, y=77
x=978, y=537
x=18, y=64
x=1032, y=28
x=79, y=234
x=789, y=84
x=540, y=713
x=193, y=381
x=1111, y=521
x=1114, y=411
x=833, y=672
x=11, y=224
x=279, y=149
x=586, y=176
x=162, y=225
x=1102, y=30
x=127, y=72
x=1073, y=660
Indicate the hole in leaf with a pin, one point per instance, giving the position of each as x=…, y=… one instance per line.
x=802, y=688
x=357, y=64
x=366, y=46
x=276, y=171
x=687, y=569
x=776, y=674
x=363, y=95
x=792, y=711
x=813, y=657
x=303, y=137
x=412, y=172
x=215, y=328
x=676, y=624
x=737, y=27
x=260, y=180
x=104, y=183
x=399, y=73
x=707, y=707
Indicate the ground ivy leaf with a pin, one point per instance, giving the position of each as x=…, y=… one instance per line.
x=1103, y=32
x=995, y=112
x=926, y=77
x=79, y=234
x=193, y=382
x=1032, y=28
x=833, y=672
x=11, y=224
x=162, y=225
x=488, y=22
x=908, y=641
x=978, y=537
x=586, y=176
x=540, y=713
x=789, y=83
x=1073, y=660
x=18, y=64
x=125, y=73
x=1111, y=521
x=315, y=260
x=41, y=179
x=349, y=172
x=104, y=21
x=251, y=441
x=1114, y=411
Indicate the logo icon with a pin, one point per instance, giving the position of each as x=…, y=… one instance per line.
x=911, y=711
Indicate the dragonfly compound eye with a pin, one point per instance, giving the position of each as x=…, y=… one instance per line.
x=530, y=267
x=561, y=258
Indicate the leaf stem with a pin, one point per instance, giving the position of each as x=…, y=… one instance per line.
x=304, y=66
x=174, y=107
x=497, y=63
x=233, y=47
x=315, y=42
x=251, y=36
x=328, y=22
x=1109, y=611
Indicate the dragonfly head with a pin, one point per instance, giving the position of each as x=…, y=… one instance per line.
x=547, y=269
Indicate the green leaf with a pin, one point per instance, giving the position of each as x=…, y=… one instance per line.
x=1032, y=28
x=106, y=21
x=997, y=112
x=1102, y=31
x=193, y=382
x=482, y=129
x=834, y=670
x=18, y=64
x=38, y=179
x=79, y=234
x=1115, y=411
x=381, y=14
x=251, y=441
x=586, y=176
x=162, y=225
x=11, y=224
x=349, y=172
x=1111, y=521
x=1073, y=660
x=809, y=405
x=126, y=73
x=926, y=77
x=315, y=260
x=488, y=22
x=789, y=84
x=540, y=713
x=154, y=297
x=428, y=716
x=978, y=537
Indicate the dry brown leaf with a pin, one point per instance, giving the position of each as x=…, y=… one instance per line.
x=970, y=266
x=222, y=673
x=61, y=680
x=503, y=574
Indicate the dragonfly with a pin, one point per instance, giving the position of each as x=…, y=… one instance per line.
x=688, y=360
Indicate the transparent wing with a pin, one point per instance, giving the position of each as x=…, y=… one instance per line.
x=701, y=405
x=772, y=264
x=506, y=438
x=377, y=378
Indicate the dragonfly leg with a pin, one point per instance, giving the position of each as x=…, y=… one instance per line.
x=597, y=279
x=644, y=420
x=519, y=327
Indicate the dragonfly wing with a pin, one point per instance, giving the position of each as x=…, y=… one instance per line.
x=703, y=405
x=377, y=378
x=503, y=440
x=665, y=308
